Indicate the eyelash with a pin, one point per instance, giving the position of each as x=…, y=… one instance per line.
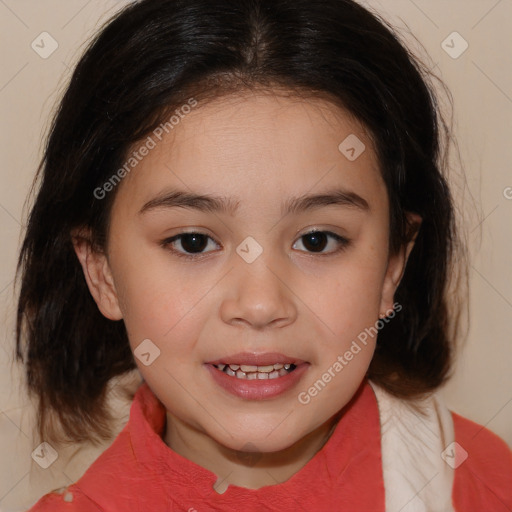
x=344, y=243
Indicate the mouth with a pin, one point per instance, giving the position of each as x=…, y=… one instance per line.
x=251, y=372
x=257, y=376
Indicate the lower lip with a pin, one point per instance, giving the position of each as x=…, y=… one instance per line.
x=257, y=389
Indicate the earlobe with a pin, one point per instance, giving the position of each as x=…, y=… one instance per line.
x=397, y=264
x=98, y=276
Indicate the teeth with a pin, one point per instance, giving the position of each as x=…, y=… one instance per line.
x=248, y=368
x=252, y=372
x=266, y=369
x=253, y=368
x=256, y=375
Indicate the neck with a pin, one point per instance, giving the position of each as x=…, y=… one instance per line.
x=248, y=469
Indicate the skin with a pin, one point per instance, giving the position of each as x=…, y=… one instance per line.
x=259, y=149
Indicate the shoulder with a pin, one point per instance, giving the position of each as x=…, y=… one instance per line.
x=117, y=467
x=114, y=468
x=483, y=468
x=69, y=499
x=472, y=465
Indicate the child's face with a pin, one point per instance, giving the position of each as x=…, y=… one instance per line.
x=307, y=298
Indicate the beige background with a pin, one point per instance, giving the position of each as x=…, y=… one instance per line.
x=481, y=83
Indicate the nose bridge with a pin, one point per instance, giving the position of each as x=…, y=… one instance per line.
x=259, y=294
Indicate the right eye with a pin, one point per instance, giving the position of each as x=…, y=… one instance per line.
x=192, y=243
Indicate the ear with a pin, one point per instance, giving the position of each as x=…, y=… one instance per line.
x=97, y=274
x=396, y=265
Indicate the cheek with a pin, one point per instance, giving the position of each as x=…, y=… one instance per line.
x=348, y=314
x=348, y=309
x=154, y=298
x=351, y=294
x=159, y=313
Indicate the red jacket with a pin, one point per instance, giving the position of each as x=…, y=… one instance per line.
x=139, y=472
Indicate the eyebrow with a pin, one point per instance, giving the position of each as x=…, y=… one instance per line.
x=214, y=204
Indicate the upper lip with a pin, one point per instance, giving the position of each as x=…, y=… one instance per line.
x=262, y=359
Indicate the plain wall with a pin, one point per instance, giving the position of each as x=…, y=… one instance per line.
x=480, y=81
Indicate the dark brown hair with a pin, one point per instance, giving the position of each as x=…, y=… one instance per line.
x=148, y=60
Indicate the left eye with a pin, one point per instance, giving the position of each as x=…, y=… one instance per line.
x=316, y=241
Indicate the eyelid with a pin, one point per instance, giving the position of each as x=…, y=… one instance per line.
x=190, y=256
x=343, y=241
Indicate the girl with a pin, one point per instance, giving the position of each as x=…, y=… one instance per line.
x=245, y=200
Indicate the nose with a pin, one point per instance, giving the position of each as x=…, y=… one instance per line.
x=258, y=295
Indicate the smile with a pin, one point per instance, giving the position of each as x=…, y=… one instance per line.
x=251, y=372
x=257, y=382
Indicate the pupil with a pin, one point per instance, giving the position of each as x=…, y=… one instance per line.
x=317, y=241
x=193, y=242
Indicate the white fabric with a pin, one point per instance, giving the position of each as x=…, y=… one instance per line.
x=416, y=478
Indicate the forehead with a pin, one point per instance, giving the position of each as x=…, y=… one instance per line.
x=261, y=144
